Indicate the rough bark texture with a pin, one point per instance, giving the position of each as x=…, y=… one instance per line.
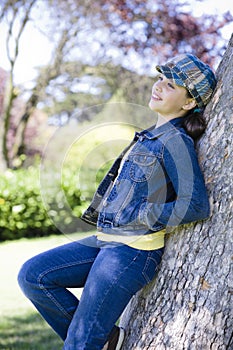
x=189, y=305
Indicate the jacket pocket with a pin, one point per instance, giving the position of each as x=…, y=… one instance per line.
x=142, y=166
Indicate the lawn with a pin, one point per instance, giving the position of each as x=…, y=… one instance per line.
x=21, y=328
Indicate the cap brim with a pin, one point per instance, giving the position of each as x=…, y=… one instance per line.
x=170, y=74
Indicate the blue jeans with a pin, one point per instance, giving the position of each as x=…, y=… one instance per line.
x=110, y=276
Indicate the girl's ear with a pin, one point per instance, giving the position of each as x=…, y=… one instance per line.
x=190, y=104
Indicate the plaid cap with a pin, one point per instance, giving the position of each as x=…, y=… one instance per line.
x=188, y=71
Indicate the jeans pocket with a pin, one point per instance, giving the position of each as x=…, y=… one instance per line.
x=151, y=265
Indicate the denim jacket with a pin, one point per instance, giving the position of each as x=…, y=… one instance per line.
x=159, y=184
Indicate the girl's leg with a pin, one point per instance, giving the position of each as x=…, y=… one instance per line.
x=45, y=277
x=115, y=276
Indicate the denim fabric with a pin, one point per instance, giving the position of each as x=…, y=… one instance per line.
x=110, y=275
x=160, y=184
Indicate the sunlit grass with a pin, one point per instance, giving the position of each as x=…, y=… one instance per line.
x=21, y=327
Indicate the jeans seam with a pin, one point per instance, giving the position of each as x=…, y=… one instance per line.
x=48, y=294
x=144, y=273
x=114, y=282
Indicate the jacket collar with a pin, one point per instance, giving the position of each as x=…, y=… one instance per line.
x=154, y=132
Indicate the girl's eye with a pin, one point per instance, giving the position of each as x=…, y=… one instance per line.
x=171, y=86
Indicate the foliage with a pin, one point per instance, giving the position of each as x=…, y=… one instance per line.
x=163, y=28
x=103, y=82
x=92, y=153
x=30, y=205
x=22, y=211
x=86, y=35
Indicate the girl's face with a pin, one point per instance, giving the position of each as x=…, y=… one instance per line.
x=169, y=99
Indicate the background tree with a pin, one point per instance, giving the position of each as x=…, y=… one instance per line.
x=17, y=15
x=96, y=34
x=101, y=83
x=163, y=28
x=12, y=44
x=189, y=305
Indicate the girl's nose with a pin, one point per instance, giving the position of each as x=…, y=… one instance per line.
x=157, y=86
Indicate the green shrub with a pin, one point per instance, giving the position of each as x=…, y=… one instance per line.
x=22, y=211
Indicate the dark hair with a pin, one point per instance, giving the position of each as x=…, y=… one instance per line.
x=194, y=123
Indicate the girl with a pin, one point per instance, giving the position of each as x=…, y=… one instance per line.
x=155, y=183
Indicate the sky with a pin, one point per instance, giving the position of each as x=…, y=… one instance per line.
x=35, y=48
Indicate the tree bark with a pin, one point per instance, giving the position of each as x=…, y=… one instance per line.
x=189, y=305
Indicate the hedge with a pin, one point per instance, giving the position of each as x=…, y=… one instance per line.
x=22, y=211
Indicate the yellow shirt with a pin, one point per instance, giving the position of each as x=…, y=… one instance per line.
x=151, y=241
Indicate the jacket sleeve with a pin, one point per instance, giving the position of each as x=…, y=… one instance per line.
x=182, y=170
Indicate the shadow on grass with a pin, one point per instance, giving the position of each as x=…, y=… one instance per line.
x=27, y=332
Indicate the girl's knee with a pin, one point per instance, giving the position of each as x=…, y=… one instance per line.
x=27, y=276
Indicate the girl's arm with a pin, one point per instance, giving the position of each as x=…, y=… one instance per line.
x=181, y=167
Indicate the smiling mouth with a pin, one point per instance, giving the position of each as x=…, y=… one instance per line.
x=156, y=97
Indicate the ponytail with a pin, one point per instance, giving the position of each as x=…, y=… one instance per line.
x=194, y=123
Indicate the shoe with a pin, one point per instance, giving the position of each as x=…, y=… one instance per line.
x=116, y=339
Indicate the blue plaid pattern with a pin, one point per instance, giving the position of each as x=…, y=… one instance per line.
x=188, y=71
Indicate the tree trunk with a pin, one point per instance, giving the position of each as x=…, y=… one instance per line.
x=6, y=120
x=46, y=75
x=189, y=305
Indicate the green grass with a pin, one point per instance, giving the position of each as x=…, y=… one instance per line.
x=21, y=327
x=27, y=332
